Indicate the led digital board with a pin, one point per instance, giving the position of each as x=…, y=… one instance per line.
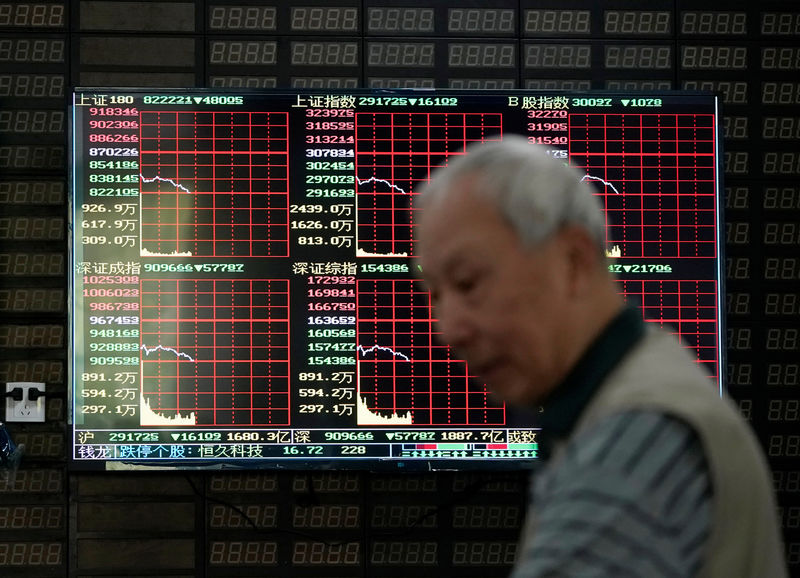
x=243, y=290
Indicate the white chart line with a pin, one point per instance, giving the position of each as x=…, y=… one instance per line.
x=149, y=350
x=593, y=178
x=375, y=180
x=366, y=350
x=163, y=180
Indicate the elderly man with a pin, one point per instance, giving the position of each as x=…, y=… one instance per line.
x=646, y=471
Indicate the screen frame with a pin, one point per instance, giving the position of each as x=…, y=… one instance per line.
x=366, y=464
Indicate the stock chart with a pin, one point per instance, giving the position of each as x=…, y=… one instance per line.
x=244, y=287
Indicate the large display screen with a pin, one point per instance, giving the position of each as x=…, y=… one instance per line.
x=243, y=289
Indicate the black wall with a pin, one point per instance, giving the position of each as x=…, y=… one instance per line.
x=55, y=523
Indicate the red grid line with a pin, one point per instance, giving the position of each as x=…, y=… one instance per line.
x=404, y=368
x=687, y=308
x=394, y=153
x=217, y=349
x=662, y=180
x=214, y=184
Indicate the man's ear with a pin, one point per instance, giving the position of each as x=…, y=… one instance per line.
x=583, y=258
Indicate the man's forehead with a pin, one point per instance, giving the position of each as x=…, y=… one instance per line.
x=459, y=235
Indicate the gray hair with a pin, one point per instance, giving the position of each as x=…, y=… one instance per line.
x=536, y=193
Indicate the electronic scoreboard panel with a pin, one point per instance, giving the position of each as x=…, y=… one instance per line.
x=243, y=286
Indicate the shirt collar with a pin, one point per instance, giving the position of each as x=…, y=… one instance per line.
x=563, y=407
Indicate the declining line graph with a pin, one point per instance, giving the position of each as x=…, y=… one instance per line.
x=382, y=181
x=148, y=350
x=407, y=375
x=163, y=180
x=367, y=350
x=214, y=184
x=598, y=179
x=215, y=350
x=394, y=153
x=656, y=174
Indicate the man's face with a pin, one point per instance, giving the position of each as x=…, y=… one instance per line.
x=499, y=304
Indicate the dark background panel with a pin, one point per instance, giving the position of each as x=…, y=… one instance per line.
x=221, y=524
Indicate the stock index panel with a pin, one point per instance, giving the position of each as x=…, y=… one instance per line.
x=243, y=288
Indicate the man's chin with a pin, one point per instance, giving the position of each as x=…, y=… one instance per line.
x=515, y=392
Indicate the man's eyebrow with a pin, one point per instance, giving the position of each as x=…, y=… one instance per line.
x=452, y=263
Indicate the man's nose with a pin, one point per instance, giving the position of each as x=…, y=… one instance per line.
x=454, y=322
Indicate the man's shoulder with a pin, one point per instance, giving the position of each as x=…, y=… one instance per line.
x=625, y=438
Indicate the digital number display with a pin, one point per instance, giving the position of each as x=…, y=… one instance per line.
x=32, y=264
x=784, y=198
x=32, y=85
x=23, y=336
x=31, y=228
x=639, y=57
x=403, y=54
x=561, y=56
x=782, y=269
x=243, y=287
x=780, y=128
x=483, y=553
x=780, y=23
x=715, y=57
x=644, y=22
x=243, y=18
x=263, y=515
x=32, y=50
x=309, y=53
x=346, y=516
x=713, y=23
x=780, y=58
x=248, y=52
x=32, y=15
x=784, y=93
x=239, y=553
x=541, y=22
x=496, y=516
x=399, y=20
x=35, y=370
x=405, y=553
x=784, y=374
x=403, y=516
x=340, y=19
x=481, y=21
x=31, y=517
x=32, y=121
x=318, y=554
x=32, y=192
x=32, y=157
x=32, y=554
x=735, y=127
x=781, y=163
x=26, y=299
x=494, y=55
